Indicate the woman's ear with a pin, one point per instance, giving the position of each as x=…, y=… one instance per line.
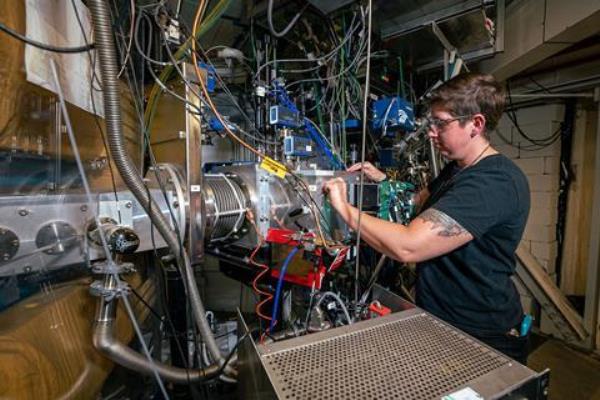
x=478, y=124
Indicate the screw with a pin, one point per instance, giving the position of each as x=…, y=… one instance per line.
x=27, y=269
x=175, y=204
x=23, y=212
x=128, y=205
x=83, y=208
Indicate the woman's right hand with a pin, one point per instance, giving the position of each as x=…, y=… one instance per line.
x=370, y=171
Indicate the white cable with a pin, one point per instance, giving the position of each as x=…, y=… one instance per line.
x=131, y=26
x=288, y=27
x=340, y=302
x=385, y=116
x=325, y=57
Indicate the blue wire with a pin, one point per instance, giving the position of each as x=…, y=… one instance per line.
x=283, y=98
x=284, y=267
x=319, y=140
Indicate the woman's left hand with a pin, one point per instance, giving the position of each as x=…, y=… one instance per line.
x=337, y=192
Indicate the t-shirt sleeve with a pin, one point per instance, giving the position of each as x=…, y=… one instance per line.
x=479, y=201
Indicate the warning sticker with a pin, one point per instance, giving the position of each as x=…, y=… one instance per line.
x=273, y=167
x=464, y=394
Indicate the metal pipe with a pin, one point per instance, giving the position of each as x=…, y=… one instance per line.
x=433, y=156
x=553, y=95
x=105, y=341
x=373, y=278
x=118, y=150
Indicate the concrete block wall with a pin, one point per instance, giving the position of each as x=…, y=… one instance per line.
x=541, y=166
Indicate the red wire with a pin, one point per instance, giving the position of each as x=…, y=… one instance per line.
x=268, y=296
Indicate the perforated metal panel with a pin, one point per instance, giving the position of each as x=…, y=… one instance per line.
x=417, y=357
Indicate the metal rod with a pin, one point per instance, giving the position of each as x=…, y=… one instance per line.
x=362, y=157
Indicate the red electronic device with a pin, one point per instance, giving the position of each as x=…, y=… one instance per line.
x=294, y=238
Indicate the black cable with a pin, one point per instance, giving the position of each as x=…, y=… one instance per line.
x=304, y=189
x=542, y=143
x=43, y=46
x=148, y=21
x=145, y=303
x=544, y=88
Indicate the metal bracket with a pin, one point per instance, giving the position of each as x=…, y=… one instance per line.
x=121, y=211
x=98, y=289
x=110, y=267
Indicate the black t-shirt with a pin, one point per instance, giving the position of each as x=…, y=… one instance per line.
x=471, y=286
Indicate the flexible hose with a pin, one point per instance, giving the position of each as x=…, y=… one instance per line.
x=105, y=341
x=112, y=111
x=287, y=28
x=284, y=267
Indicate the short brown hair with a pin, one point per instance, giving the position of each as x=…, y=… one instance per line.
x=472, y=93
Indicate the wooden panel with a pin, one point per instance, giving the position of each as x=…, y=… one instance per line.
x=169, y=120
x=12, y=55
x=28, y=115
x=575, y=254
x=46, y=349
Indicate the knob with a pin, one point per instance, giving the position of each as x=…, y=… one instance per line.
x=55, y=237
x=122, y=240
x=9, y=244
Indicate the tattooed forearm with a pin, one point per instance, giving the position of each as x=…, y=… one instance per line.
x=449, y=227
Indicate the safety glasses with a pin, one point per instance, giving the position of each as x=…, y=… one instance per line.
x=439, y=123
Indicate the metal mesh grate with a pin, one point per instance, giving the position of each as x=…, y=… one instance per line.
x=414, y=358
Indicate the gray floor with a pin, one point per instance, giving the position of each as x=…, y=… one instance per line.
x=573, y=374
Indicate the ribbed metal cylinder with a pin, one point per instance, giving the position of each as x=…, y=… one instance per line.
x=225, y=207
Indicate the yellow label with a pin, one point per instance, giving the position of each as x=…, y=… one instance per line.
x=273, y=167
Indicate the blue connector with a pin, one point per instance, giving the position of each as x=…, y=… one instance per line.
x=526, y=325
